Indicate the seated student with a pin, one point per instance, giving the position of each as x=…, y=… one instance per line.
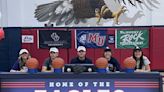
x=19, y=65
x=143, y=63
x=81, y=58
x=47, y=65
x=113, y=63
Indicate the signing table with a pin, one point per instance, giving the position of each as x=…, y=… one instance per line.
x=85, y=82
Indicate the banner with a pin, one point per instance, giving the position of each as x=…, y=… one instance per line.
x=27, y=39
x=91, y=38
x=86, y=84
x=54, y=38
x=132, y=38
x=111, y=39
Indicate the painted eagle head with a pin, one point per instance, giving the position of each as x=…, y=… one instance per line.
x=76, y=11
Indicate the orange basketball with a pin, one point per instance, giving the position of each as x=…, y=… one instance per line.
x=32, y=63
x=101, y=62
x=129, y=62
x=58, y=63
x=2, y=34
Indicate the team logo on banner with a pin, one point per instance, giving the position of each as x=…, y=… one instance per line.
x=91, y=38
x=111, y=39
x=132, y=38
x=54, y=38
x=27, y=39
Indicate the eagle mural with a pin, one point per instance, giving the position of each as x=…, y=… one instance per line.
x=76, y=11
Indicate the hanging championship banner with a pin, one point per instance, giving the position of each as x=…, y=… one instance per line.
x=54, y=38
x=91, y=38
x=132, y=38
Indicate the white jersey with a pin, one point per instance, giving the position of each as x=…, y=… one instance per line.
x=146, y=61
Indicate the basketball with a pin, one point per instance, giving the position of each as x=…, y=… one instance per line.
x=101, y=62
x=129, y=62
x=2, y=34
x=58, y=63
x=32, y=63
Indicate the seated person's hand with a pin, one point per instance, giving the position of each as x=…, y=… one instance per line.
x=139, y=70
x=25, y=69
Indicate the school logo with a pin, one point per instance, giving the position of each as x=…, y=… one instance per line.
x=55, y=36
x=132, y=38
x=91, y=38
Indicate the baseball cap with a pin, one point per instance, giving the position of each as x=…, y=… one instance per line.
x=54, y=49
x=107, y=49
x=137, y=48
x=23, y=51
x=81, y=48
